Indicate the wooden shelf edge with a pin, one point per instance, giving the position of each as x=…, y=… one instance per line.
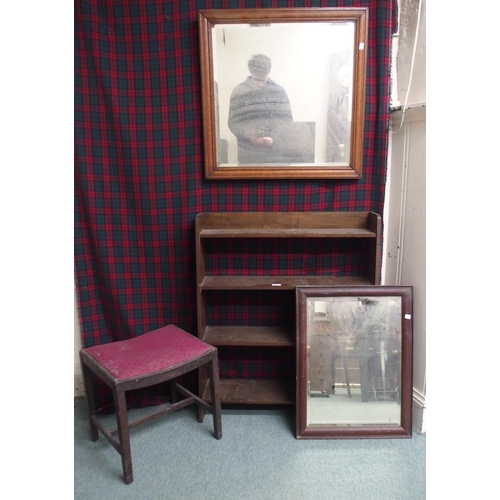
x=278, y=282
x=254, y=391
x=262, y=336
x=288, y=233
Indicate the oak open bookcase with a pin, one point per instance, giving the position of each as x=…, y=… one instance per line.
x=248, y=265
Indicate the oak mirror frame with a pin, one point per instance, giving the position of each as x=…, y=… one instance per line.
x=354, y=362
x=283, y=92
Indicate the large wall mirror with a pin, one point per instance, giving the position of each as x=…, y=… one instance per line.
x=354, y=362
x=283, y=92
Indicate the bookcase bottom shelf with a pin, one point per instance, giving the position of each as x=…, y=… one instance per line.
x=255, y=391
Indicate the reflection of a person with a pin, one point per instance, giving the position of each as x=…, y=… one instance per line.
x=259, y=110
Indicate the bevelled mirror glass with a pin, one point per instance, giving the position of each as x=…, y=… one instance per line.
x=354, y=362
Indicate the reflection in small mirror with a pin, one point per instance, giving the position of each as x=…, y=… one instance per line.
x=283, y=93
x=354, y=360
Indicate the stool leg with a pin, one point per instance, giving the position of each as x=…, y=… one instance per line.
x=202, y=375
x=201, y=414
x=173, y=391
x=123, y=434
x=89, y=398
x=213, y=374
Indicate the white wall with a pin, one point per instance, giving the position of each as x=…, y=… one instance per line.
x=405, y=235
x=78, y=376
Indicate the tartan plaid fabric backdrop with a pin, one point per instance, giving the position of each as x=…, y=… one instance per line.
x=139, y=177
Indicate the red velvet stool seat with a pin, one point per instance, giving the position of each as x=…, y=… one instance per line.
x=155, y=357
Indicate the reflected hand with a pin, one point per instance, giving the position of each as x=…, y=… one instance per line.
x=262, y=141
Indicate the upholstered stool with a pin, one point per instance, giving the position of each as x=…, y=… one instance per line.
x=143, y=361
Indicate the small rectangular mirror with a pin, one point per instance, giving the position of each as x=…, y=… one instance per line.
x=283, y=92
x=354, y=362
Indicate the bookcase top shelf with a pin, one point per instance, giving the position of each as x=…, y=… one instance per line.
x=288, y=233
x=286, y=224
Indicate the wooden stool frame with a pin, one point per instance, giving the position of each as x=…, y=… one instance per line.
x=119, y=387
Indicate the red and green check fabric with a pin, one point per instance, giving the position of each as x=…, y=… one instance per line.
x=139, y=175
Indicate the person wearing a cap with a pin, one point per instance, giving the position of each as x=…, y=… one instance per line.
x=259, y=111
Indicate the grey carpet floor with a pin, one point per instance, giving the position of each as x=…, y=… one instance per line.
x=258, y=458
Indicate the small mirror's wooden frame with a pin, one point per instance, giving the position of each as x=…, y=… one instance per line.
x=330, y=429
x=215, y=168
